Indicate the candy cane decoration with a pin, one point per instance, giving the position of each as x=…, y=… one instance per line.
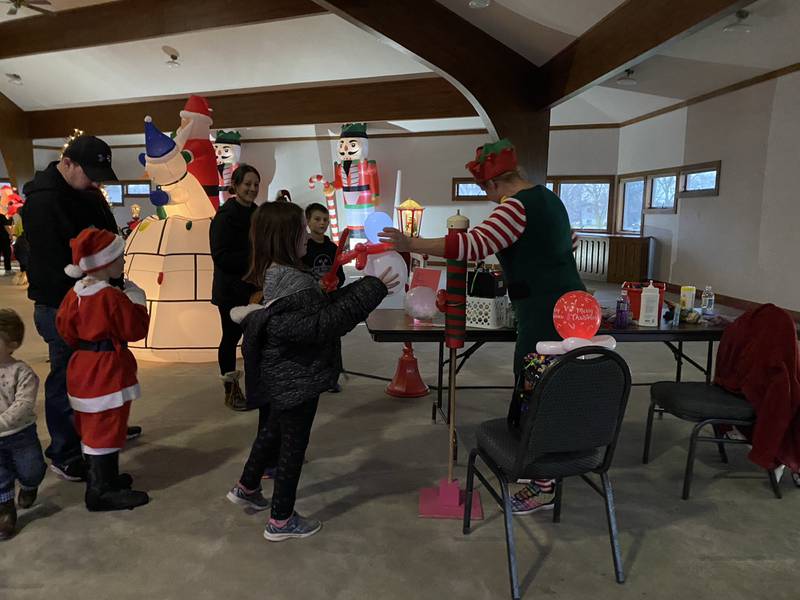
x=330, y=198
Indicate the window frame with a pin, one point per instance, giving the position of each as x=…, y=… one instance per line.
x=611, y=180
x=621, y=181
x=656, y=210
x=128, y=182
x=455, y=197
x=699, y=168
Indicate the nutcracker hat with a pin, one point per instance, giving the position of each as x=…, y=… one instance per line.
x=228, y=137
x=197, y=108
x=92, y=250
x=492, y=160
x=160, y=147
x=354, y=130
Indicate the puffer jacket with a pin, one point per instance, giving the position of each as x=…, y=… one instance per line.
x=291, y=345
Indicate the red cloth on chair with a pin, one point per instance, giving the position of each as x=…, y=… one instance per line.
x=758, y=358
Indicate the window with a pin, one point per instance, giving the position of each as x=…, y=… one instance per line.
x=587, y=203
x=632, y=205
x=465, y=189
x=113, y=193
x=662, y=192
x=700, y=180
x=550, y=185
x=137, y=189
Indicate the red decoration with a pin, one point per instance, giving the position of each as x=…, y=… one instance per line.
x=577, y=314
x=407, y=382
x=160, y=278
x=360, y=254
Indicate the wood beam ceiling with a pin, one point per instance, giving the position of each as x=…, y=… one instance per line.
x=626, y=37
x=129, y=20
x=417, y=98
x=500, y=84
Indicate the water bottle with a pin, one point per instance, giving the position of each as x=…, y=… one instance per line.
x=707, y=301
x=621, y=320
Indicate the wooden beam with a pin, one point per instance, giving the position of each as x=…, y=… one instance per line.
x=16, y=145
x=417, y=98
x=633, y=32
x=128, y=20
x=499, y=83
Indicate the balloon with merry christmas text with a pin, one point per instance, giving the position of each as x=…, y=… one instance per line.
x=577, y=317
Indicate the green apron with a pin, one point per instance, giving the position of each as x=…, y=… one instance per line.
x=539, y=268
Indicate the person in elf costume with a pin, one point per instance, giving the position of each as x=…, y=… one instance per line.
x=228, y=146
x=530, y=233
x=98, y=320
x=357, y=177
x=194, y=129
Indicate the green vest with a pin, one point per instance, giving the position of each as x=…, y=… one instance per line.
x=539, y=268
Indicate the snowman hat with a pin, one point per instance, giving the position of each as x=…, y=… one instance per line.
x=197, y=108
x=159, y=146
x=92, y=250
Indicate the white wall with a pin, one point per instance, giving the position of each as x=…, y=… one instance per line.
x=583, y=152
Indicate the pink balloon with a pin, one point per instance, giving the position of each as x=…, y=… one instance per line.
x=420, y=303
x=577, y=314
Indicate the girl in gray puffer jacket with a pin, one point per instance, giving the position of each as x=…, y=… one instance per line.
x=291, y=352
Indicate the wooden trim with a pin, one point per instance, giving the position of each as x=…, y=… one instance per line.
x=700, y=168
x=454, y=191
x=584, y=126
x=557, y=180
x=716, y=93
x=636, y=30
x=129, y=20
x=620, y=202
x=407, y=98
x=649, y=209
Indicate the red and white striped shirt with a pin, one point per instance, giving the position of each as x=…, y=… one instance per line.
x=501, y=229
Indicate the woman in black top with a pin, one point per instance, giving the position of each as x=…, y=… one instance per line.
x=230, y=249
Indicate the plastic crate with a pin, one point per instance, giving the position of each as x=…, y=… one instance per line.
x=489, y=313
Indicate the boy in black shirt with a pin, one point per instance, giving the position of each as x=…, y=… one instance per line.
x=321, y=251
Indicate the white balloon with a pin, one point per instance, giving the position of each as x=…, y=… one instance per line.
x=549, y=348
x=606, y=341
x=378, y=263
x=573, y=343
x=420, y=303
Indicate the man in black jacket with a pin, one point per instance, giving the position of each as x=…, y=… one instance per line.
x=61, y=201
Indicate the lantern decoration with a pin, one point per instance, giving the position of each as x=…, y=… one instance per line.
x=409, y=217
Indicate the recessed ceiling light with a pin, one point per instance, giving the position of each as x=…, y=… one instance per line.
x=479, y=3
x=14, y=78
x=740, y=26
x=627, y=80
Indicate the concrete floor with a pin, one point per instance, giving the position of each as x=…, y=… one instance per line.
x=369, y=455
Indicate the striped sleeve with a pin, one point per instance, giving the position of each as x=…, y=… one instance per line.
x=501, y=229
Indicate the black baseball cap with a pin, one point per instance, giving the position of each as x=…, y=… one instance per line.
x=94, y=157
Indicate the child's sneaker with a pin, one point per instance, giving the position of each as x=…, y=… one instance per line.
x=8, y=519
x=531, y=499
x=26, y=497
x=295, y=527
x=254, y=499
x=74, y=470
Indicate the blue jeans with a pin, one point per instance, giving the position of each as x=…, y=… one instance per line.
x=65, y=445
x=20, y=460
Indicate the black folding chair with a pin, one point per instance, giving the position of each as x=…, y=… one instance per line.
x=705, y=405
x=571, y=429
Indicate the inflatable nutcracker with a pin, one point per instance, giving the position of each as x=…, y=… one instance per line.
x=194, y=129
x=169, y=257
x=357, y=177
x=228, y=146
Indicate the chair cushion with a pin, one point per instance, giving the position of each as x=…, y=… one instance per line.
x=501, y=444
x=699, y=401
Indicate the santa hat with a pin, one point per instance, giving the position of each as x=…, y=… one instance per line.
x=197, y=108
x=492, y=160
x=92, y=250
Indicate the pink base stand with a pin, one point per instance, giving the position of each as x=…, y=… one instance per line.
x=447, y=502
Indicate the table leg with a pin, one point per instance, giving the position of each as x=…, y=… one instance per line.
x=709, y=362
x=437, y=404
x=679, y=361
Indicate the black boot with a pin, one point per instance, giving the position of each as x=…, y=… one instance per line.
x=102, y=487
x=8, y=520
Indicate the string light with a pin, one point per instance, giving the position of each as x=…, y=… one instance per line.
x=76, y=133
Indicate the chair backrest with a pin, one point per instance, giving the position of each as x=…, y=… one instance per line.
x=577, y=406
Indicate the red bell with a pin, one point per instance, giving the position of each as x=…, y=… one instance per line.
x=407, y=382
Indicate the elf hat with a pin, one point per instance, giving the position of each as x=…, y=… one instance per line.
x=492, y=160
x=92, y=250
x=197, y=108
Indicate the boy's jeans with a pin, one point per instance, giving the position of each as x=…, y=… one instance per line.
x=20, y=459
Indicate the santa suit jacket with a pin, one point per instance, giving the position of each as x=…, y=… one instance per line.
x=758, y=358
x=107, y=318
x=204, y=167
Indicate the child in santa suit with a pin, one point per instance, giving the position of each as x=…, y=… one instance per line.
x=98, y=320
